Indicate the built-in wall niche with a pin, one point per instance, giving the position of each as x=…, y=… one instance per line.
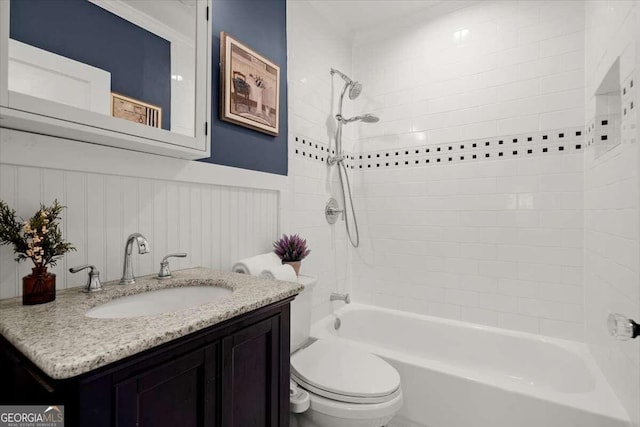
x=127, y=73
x=605, y=131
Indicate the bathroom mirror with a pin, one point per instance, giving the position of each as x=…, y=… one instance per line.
x=128, y=73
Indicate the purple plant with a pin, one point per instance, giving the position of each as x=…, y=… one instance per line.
x=291, y=248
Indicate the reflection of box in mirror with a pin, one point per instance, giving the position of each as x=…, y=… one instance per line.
x=134, y=110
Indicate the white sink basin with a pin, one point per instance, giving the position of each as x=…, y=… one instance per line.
x=158, y=302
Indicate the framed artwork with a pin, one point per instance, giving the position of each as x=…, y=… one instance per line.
x=249, y=87
x=135, y=111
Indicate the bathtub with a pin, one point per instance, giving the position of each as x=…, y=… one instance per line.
x=457, y=374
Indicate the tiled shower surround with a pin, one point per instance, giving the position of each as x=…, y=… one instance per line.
x=496, y=242
x=479, y=215
x=543, y=238
x=469, y=189
x=495, y=239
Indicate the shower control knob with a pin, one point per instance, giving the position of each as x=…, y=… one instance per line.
x=622, y=327
x=332, y=211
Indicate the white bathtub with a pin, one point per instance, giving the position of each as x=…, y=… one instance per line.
x=457, y=374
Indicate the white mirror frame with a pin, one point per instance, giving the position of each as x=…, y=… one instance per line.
x=28, y=113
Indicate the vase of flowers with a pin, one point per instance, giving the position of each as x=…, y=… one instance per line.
x=291, y=250
x=38, y=287
x=40, y=240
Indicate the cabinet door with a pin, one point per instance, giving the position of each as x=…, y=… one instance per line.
x=255, y=372
x=181, y=392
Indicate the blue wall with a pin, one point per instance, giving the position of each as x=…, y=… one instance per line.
x=138, y=60
x=261, y=25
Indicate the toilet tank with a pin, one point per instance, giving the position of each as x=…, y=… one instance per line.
x=301, y=312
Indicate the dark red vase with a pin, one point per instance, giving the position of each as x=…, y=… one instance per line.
x=38, y=287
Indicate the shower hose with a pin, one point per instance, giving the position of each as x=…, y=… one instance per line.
x=344, y=179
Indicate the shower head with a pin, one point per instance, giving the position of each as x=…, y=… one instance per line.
x=366, y=118
x=341, y=74
x=354, y=87
x=355, y=90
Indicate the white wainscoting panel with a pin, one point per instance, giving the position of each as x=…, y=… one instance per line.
x=215, y=225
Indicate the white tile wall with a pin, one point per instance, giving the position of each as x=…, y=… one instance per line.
x=504, y=249
x=493, y=242
x=612, y=280
x=520, y=69
x=313, y=49
x=215, y=225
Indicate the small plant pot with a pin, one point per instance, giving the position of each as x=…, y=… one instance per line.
x=295, y=264
x=38, y=287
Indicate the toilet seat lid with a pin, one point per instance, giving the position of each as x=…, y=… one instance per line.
x=344, y=372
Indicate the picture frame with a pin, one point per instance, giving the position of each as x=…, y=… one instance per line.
x=249, y=87
x=136, y=111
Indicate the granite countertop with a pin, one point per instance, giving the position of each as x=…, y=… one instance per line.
x=63, y=342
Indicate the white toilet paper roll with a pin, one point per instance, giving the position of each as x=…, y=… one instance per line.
x=255, y=264
x=281, y=272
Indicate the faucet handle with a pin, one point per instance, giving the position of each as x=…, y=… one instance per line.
x=621, y=327
x=93, y=281
x=165, y=272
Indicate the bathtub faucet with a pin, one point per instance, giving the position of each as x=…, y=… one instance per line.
x=340, y=297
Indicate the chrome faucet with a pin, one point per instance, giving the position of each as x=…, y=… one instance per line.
x=143, y=248
x=340, y=297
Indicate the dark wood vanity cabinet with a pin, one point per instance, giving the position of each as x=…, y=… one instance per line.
x=235, y=373
x=251, y=376
x=180, y=392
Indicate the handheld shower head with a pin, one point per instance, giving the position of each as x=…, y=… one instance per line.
x=370, y=118
x=365, y=118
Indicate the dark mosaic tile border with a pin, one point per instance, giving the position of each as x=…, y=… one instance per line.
x=556, y=142
x=317, y=151
x=563, y=141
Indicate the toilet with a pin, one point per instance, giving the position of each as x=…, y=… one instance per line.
x=333, y=384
